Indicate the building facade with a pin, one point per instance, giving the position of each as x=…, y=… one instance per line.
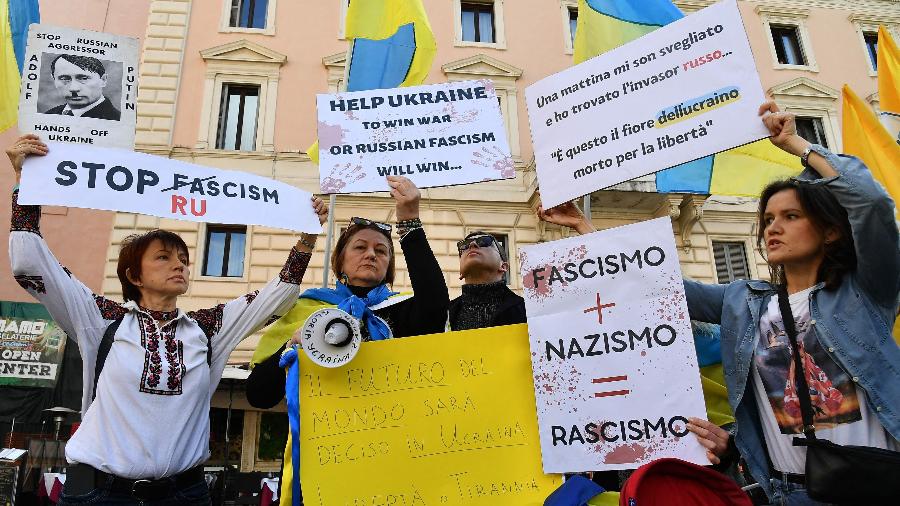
x=232, y=84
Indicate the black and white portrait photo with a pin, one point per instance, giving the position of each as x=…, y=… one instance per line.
x=80, y=86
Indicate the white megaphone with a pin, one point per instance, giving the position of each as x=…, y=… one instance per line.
x=330, y=337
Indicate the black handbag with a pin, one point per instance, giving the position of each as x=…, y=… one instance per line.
x=836, y=473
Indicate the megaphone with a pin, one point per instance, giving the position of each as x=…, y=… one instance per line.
x=330, y=337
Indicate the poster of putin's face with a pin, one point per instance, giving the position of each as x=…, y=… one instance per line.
x=79, y=86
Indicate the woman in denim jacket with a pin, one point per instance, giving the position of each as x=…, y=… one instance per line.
x=830, y=238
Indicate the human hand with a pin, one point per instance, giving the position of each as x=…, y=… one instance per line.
x=782, y=128
x=26, y=145
x=321, y=209
x=566, y=215
x=711, y=436
x=407, y=196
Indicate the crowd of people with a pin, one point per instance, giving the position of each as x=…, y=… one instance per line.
x=829, y=236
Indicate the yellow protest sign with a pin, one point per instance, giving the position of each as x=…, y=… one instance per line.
x=429, y=420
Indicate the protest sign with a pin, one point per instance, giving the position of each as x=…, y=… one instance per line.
x=76, y=175
x=615, y=370
x=79, y=86
x=436, y=135
x=417, y=421
x=31, y=352
x=684, y=91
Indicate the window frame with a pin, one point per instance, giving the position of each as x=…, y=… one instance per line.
x=729, y=243
x=223, y=117
x=499, y=26
x=808, y=98
x=225, y=21
x=211, y=228
x=230, y=64
x=818, y=123
x=868, y=23
x=566, y=8
x=779, y=42
x=791, y=17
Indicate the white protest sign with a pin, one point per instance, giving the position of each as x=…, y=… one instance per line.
x=436, y=135
x=682, y=92
x=79, y=86
x=76, y=175
x=615, y=370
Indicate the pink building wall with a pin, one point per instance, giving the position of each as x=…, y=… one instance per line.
x=308, y=31
x=78, y=237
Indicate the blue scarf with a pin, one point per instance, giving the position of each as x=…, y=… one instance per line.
x=345, y=300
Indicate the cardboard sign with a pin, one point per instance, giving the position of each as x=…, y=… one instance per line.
x=440, y=419
x=79, y=86
x=436, y=135
x=31, y=352
x=615, y=370
x=118, y=180
x=682, y=92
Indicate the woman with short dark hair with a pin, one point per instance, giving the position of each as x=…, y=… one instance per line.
x=145, y=429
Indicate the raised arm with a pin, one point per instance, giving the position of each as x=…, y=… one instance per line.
x=79, y=312
x=869, y=208
x=432, y=299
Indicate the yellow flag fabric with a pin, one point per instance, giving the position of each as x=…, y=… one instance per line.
x=9, y=72
x=746, y=170
x=866, y=138
x=715, y=394
x=889, y=83
x=888, y=72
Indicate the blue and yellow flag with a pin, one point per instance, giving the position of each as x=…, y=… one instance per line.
x=15, y=16
x=607, y=24
x=393, y=46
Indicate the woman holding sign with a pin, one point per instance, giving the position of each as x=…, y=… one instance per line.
x=363, y=261
x=832, y=245
x=150, y=369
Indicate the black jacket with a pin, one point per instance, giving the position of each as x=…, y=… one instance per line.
x=424, y=313
x=510, y=312
x=104, y=110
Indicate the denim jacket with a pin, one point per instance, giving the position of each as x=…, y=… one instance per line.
x=852, y=322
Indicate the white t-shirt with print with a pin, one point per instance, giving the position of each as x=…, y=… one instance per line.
x=841, y=412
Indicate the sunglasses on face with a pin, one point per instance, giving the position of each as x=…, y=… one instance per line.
x=363, y=222
x=482, y=241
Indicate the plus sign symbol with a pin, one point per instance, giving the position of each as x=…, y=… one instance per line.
x=599, y=309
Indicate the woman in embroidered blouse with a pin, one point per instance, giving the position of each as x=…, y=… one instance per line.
x=145, y=432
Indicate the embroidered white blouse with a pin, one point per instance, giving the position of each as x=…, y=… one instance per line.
x=150, y=417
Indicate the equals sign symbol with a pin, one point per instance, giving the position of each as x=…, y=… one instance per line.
x=610, y=379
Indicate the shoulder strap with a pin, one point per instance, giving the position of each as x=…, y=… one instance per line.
x=109, y=335
x=787, y=318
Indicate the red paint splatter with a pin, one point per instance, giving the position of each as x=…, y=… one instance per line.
x=625, y=454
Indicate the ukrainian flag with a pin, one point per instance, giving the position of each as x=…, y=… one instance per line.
x=607, y=24
x=15, y=16
x=393, y=46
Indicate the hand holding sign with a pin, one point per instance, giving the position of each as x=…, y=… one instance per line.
x=26, y=145
x=407, y=196
x=118, y=180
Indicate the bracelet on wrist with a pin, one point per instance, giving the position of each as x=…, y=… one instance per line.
x=306, y=242
x=406, y=226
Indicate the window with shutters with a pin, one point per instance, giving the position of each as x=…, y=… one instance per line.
x=731, y=261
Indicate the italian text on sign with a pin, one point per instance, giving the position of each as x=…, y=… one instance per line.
x=685, y=91
x=615, y=369
x=441, y=419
